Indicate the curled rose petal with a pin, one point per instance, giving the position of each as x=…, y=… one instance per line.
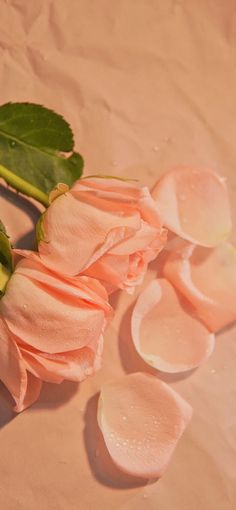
x=141, y=419
x=194, y=204
x=165, y=331
x=112, y=268
x=23, y=386
x=32, y=392
x=207, y=278
x=73, y=365
x=47, y=372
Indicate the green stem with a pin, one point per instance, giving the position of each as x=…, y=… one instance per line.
x=23, y=186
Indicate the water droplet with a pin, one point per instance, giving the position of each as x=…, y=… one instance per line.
x=124, y=418
x=12, y=143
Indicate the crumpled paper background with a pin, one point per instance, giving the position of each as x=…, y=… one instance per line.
x=146, y=85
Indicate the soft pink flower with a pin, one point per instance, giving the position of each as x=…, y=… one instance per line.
x=104, y=228
x=51, y=329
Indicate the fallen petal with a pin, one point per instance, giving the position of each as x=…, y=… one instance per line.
x=194, y=204
x=207, y=278
x=141, y=419
x=165, y=331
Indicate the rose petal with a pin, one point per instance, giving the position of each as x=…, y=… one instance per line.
x=141, y=419
x=34, y=386
x=40, y=369
x=24, y=387
x=207, y=277
x=89, y=230
x=96, y=218
x=165, y=332
x=140, y=240
x=84, y=288
x=111, y=270
x=52, y=314
x=194, y=204
x=73, y=365
x=128, y=270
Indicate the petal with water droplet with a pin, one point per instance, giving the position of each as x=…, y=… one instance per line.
x=73, y=365
x=165, y=331
x=207, y=278
x=194, y=204
x=156, y=417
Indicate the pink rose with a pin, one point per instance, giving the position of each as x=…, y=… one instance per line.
x=104, y=228
x=51, y=329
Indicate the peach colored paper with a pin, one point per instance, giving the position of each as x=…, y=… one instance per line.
x=146, y=85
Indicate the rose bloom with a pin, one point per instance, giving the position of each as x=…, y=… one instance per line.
x=105, y=228
x=51, y=329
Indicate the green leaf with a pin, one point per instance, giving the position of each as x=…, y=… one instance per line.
x=5, y=249
x=40, y=234
x=37, y=145
x=6, y=261
x=4, y=278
